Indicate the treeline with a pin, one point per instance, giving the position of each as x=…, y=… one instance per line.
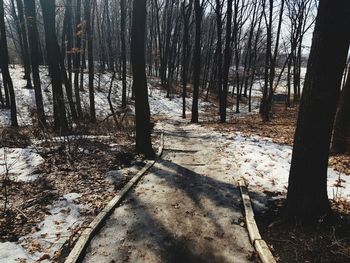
x=220, y=47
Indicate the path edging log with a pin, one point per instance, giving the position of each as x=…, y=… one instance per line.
x=76, y=255
x=259, y=244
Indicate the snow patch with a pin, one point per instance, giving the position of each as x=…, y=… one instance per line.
x=63, y=219
x=20, y=163
x=265, y=166
x=12, y=252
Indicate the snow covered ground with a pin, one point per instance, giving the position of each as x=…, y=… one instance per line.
x=25, y=99
x=62, y=221
x=20, y=163
x=265, y=166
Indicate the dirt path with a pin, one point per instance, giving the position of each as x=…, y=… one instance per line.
x=186, y=209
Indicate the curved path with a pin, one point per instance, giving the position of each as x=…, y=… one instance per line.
x=186, y=209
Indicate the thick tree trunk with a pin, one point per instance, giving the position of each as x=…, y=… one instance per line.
x=307, y=191
x=53, y=57
x=142, y=110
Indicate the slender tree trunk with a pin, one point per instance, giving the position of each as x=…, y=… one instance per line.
x=89, y=34
x=77, y=57
x=4, y=61
x=123, y=45
x=30, y=11
x=227, y=62
x=197, y=58
x=264, y=107
x=218, y=12
x=69, y=22
x=109, y=38
x=23, y=34
x=65, y=78
x=2, y=101
x=307, y=196
x=341, y=135
x=187, y=11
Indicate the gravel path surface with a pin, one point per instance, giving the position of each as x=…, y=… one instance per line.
x=186, y=209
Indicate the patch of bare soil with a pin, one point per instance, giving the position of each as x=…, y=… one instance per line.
x=327, y=241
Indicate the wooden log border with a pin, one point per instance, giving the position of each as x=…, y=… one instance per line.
x=259, y=244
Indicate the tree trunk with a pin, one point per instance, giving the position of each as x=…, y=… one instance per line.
x=26, y=60
x=218, y=12
x=142, y=110
x=89, y=34
x=307, y=191
x=53, y=57
x=77, y=51
x=227, y=62
x=187, y=11
x=341, y=135
x=123, y=45
x=69, y=25
x=109, y=39
x=197, y=58
x=30, y=11
x=4, y=61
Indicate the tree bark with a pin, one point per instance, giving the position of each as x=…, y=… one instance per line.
x=30, y=11
x=53, y=57
x=89, y=34
x=123, y=46
x=142, y=110
x=4, y=61
x=227, y=62
x=197, y=60
x=23, y=35
x=307, y=197
x=187, y=10
x=341, y=135
x=77, y=57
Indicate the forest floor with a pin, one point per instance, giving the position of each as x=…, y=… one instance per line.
x=55, y=186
